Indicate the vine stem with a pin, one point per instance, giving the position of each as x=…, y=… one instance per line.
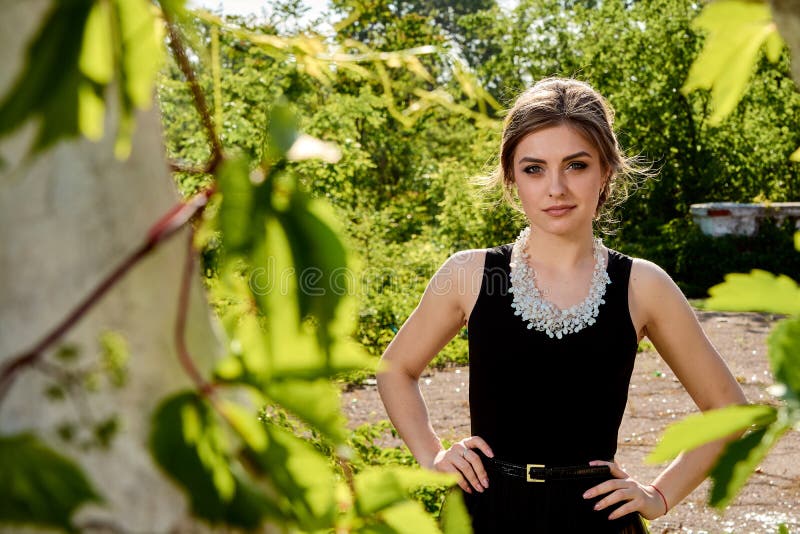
x=184, y=357
x=163, y=229
x=178, y=50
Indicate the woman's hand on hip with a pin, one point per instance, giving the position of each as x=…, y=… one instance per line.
x=461, y=459
x=622, y=488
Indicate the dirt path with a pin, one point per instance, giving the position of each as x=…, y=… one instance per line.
x=771, y=496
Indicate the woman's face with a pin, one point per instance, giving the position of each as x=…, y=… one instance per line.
x=559, y=176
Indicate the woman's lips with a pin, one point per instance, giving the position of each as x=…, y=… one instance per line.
x=558, y=211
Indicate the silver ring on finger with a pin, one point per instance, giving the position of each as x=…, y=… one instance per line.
x=464, y=453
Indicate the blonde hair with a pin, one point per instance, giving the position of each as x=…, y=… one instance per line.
x=563, y=101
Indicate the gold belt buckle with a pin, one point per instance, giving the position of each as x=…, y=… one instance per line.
x=528, y=472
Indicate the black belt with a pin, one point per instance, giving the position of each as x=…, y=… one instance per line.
x=541, y=473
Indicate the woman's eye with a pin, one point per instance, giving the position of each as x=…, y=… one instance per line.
x=576, y=165
x=532, y=169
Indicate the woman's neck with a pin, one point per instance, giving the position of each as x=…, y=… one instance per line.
x=560, y=251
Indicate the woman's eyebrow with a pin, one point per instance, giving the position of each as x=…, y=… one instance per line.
x=582, y=153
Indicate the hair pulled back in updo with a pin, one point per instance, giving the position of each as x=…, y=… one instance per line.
x=562, y=101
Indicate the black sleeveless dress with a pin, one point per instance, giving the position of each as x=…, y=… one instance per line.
x=542, y=400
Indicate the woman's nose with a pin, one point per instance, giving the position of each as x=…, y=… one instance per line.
x=556, y=185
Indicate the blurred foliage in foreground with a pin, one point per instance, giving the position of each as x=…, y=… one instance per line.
x=737, y=29
x=282, y=274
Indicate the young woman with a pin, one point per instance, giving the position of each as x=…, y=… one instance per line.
x=554, y=320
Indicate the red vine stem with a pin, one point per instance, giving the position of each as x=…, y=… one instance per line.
x=180, y=323
x=176, y=44
x=163, y=229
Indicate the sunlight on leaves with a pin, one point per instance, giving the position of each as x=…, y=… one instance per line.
x=97, y=51
x=187, y=442
x=756, y=291
x=784, y=355
x=701, y=428
x=315, y=402
x=410, y=516
x=141, y=35
x=303, y=477
x=47, y=86
x=91, y=111
x=246, y=424
x=237, y=206
x=736, y=31
x=740, y=460
x=454, y=517
x=379, y=488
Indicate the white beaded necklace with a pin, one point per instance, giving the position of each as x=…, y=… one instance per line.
x=542, y=314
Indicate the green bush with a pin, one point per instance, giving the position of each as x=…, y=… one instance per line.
x=703, y=261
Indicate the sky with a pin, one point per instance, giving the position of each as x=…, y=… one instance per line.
x=246, y=7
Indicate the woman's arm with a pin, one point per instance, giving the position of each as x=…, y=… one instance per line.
x=660, y=311
x=441, y=313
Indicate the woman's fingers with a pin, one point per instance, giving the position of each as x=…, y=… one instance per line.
x=467, y=470
x=622, y=494
x=625, y=509
x=461, y=459
x=451, y=468
x=477, y=442
x=477, y=466
x=616, y=470
x=606, y=487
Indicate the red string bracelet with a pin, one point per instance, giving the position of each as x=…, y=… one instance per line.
x=666, y=507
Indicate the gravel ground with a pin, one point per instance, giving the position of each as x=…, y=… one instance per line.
x=772, y=495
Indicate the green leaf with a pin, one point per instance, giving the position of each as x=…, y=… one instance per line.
x=252, y=347
x=319, y=257
x=702, y=428
x=795, y=156
x=316, y=402
x=97, y=50
x=380, y=488
x=91, y=109
x=40, y=486
x=236, y=211
x=774, y=46
x=757, y=291
x=303, y=477
x=292, y=346
x=739, y=461
x=282, y=131
x=246, y=423
x=114, y=355
x=141, y=36
x=783, y=529
x=48, y=85
x=784, y=355
x=736, y=30
x=797, y=240
x=454, y=517
x=104, y=431
x=410, y=516
x=187, y=442
x=68, y=352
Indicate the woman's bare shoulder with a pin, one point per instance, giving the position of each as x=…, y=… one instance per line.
x=459, y=279
x=461, y=267
x=649, y=277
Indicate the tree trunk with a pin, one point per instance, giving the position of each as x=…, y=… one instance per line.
x=786, y=14
x=67, y=218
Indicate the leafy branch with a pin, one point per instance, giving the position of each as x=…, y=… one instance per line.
x=287, y=347
x=737, y=30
